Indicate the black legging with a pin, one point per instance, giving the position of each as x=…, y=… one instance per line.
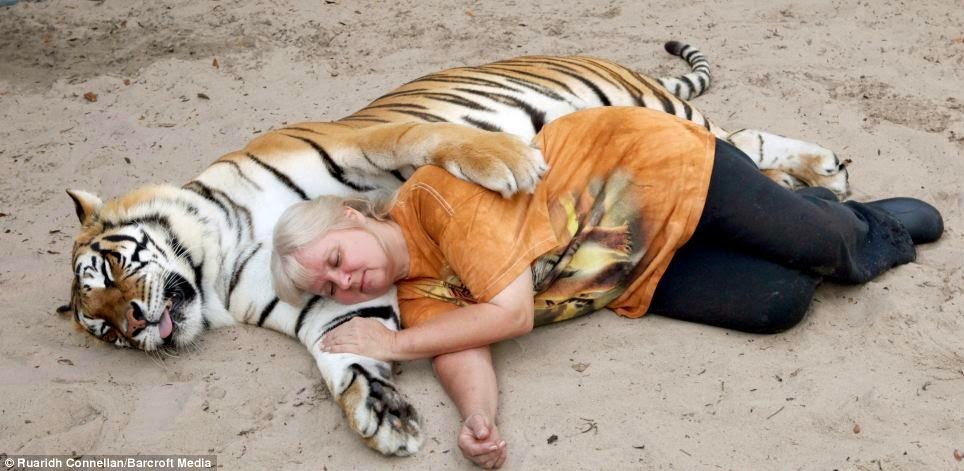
x=759, y=251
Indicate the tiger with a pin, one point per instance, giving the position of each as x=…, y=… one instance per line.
x=157, y=267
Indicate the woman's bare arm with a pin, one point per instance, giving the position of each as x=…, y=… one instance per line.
x=469, y=379
x=509, y=314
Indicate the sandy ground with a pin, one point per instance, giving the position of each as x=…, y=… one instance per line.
x=871, y=380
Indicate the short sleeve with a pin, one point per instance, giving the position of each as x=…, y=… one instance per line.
x=416, y=310
x=490, y=240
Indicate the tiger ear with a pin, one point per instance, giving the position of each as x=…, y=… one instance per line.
x=65, y=310
x=86, y=205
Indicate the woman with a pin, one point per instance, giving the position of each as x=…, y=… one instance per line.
x=639, y=212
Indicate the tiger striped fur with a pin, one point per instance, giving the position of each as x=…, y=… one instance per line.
x=157, y=267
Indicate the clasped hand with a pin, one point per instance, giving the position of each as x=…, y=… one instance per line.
x=361, y=336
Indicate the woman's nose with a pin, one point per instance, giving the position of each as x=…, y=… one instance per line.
x=343, y=280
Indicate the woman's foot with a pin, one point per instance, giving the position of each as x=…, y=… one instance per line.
x=922, y=221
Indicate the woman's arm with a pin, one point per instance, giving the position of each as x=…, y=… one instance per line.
x=509, y=314
x=469, y=379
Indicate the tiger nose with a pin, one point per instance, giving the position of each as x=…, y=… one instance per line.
x=135, y=320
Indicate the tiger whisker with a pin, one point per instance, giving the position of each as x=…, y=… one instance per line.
x=157, y=360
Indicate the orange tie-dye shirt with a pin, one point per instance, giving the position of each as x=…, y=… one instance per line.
x=624, y=190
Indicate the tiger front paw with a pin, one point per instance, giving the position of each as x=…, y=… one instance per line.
x=379, y=413
x=498, y=161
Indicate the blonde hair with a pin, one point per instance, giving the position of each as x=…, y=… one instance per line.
x=306, y=221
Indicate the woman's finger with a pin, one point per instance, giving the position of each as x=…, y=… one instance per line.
x=487, y=461
x=488, y=448
x=495, y=459
x=478, y=425
x=473, y=448
x=336, y=347
x=477, y=449
x=503, y=454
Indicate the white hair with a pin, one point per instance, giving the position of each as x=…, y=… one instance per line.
x=306, y=221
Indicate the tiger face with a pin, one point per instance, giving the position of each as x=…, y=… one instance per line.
x=133, y=280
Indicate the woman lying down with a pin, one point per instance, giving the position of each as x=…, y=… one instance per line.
x=639, y=212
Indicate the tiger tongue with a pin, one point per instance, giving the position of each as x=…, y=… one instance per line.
x=166, y=326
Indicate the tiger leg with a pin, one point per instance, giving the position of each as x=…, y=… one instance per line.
x=783, y=179
x=374, y=407
x=498, y=161
x=793, y=163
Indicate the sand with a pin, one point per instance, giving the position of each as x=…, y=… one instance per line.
x=871, y=380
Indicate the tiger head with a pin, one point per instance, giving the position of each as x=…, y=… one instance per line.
x=135, y=280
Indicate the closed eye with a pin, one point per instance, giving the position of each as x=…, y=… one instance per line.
x=335, y=262
x=98, y=328
x=336, y=258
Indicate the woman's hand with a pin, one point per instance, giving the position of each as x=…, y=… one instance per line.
x=361, y=336
x=480, y=442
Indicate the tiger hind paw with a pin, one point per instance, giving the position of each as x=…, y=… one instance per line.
x=791, y=162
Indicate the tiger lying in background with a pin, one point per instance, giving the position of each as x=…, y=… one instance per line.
x=157, y=267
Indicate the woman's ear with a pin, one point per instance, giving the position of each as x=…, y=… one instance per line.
x=354, y=215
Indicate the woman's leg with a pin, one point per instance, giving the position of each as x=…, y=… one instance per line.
x=726, y=288
x=844, y=242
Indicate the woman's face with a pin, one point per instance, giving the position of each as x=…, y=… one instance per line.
x=349, y=265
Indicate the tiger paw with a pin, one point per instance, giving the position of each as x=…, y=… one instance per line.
x=816, y=166
x=837, y=181
x=794, y=161
x=498, y=161
x=379, y=413
x=783, y=179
